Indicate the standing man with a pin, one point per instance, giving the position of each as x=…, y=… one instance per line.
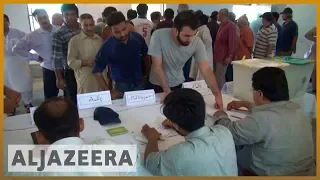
x=279, y=29
x=171, y=48
x=64, y=74
x=266, y=38
x=168, y=19
x=122, y=54
x=98, y=27
x=224, y=47
x=142, y=25
x=81, y=55
x=213, y=27
x=155, y=18
x=40, y=41
x=246, y=39
x=131, y=14
x=57, y=20
x=289, y=34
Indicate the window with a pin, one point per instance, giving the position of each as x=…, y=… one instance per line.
x=50, y=8
x=253, y=11
x=152, y=8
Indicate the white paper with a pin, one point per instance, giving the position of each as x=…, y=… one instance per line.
x=139, y=97
x=200, y=86
x=32, y=109
x=95, y=99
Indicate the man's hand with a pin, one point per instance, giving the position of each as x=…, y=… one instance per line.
x=219, y=113
x=90, y=63
x=167, y=123
x=219, y=103
x=165, y=95
x=12, y=94
x=10, y=105
x=150, y=133
x=227, y=60
x=60, y=83
x=235, y=105
x=115, y=94
x=40, y=60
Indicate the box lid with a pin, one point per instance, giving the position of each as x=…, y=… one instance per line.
x=260, y=63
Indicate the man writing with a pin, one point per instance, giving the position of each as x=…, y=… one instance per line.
x=171, y=48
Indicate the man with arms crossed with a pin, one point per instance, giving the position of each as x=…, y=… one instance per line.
x=171, y=48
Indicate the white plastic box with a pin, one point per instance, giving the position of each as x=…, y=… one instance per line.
x=298, y=77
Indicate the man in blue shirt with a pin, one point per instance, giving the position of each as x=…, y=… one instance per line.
x=122, y=54
x=279, y=28
x=289, y=34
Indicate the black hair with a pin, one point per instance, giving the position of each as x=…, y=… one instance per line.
x=38, y=11
x=186, y=108
x=108, y=10
x=142, y=9
x=115, y=18
x=203, y=19
x=169, y=13
x=186, y=18
x=131, y=14
x=155, y=15
x=85, y=16
x=272, y=82
x=214, y=15
x=57, y=118
x=199, y=13
x=69, y=7
x=276, y=15
x=6, y=17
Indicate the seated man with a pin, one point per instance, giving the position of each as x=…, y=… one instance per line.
x=206, y=151
x=122, y=54
x=280, y=134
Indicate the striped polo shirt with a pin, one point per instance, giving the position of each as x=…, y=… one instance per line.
x=266, y=35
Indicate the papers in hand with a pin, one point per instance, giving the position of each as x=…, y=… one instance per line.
x=32, y=109
x=95, y=99
x=139, y=97
x=200, y=86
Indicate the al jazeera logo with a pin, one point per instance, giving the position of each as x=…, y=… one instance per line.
x=75, y=158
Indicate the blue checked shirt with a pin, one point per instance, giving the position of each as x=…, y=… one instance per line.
x=60, y=42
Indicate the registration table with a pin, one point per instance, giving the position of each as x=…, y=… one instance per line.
x=18, y=129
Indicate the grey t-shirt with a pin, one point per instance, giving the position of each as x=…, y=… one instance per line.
x=174, y=56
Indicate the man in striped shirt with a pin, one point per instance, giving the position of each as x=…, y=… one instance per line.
x=266, y=38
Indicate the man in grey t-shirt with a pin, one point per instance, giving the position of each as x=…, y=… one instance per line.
x=171, y=48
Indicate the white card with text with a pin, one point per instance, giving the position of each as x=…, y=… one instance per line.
x=144, y=97
x=200, y=86
x=95, y=99
x=32, y=109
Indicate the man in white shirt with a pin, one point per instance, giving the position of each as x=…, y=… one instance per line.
x=40, y=41
x=142, y=25
x=57, y=20
x=207, y=151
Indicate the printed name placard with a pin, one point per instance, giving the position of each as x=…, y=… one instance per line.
x=139, y=97
x=200, y=86
x=95, y=99
x=32, y=109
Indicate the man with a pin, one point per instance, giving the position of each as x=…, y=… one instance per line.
x=98, y=27
x=142, y=25
x=312, y=54
x=155, y=18
x=106, y=31
x=40, y=41
x=99, y=20
x=122, y=54
x=182, y=7
x=279, y=29
x=168, y=19
x=280, y=134
x=206, y=151
x=266, y=38
x=213, y=27
x=246, y=39
x=81, y=55
x=131, y=14
x=57, y=20
x=224, y=46
x=171, y=48
x=289, y=34
x=11, y=100
x=64, y=74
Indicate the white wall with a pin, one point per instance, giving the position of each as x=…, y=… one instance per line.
x=18, y=15
x=205, y=8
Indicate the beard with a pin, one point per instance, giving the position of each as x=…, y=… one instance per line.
x=182, y=42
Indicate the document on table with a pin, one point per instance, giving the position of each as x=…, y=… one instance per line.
x=234, y=115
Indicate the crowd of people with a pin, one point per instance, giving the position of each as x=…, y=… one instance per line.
x=126, y=54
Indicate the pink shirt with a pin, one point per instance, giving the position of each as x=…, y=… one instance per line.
x=226, y=42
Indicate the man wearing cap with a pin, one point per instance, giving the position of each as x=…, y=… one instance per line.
x=266, y=38
x=289, y=34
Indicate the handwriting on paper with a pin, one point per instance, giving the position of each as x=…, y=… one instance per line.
x=139, y=97
x=200, y=86
x=96, y=99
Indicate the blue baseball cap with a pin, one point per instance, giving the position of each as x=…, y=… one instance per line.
x=106, y=116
